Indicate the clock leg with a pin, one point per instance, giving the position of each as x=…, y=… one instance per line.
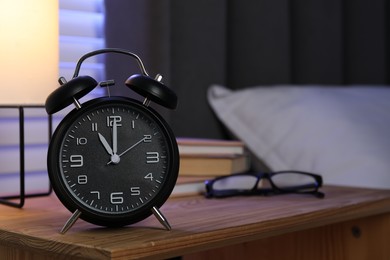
x=70, y=221
x=157, y=213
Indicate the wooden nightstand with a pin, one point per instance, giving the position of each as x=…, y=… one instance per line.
x=349, y=223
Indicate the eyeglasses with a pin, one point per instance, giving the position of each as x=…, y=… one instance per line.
x=279, y=182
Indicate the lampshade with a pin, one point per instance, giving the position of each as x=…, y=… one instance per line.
x=28, y=51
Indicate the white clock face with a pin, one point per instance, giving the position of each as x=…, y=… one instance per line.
x=115, y=160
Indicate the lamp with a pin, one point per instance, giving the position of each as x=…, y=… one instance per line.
x=28, y=50
x=28, y=70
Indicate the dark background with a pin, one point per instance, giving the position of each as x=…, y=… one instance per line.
x=246, y=43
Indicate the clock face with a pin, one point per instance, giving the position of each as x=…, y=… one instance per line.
x=113, y=159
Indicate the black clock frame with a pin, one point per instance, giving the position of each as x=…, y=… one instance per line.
x=95, y=217
x=153, y=90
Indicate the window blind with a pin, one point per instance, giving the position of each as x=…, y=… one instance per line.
x=81, y=31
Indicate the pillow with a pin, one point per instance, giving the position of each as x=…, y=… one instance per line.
x=342, y=133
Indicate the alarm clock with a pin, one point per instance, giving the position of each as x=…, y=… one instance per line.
x=112, y=161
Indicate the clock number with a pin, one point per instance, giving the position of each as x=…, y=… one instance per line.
x=116, y=198
x=97, y=193
x=94, y=127
x=76, y=160
x=81, y=141
x=152, y=157
x=149, y=176
x=135, y=191
x=112, y=119
x=147, y=138
x=82, y=179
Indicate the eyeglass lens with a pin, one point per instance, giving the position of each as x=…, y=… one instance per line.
x=235, y=182
x=291, y=180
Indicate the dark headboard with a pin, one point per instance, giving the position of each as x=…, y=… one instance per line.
x=248, y=43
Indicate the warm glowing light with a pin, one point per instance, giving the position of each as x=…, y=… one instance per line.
x=28, y=50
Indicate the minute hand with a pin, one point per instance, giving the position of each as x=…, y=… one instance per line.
x=114, y=138
x=128, y=149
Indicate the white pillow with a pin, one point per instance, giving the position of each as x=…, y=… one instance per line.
x=342, y=133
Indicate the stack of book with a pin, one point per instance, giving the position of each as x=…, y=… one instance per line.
x=204, y=159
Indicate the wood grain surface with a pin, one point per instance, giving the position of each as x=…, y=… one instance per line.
x=197, y=224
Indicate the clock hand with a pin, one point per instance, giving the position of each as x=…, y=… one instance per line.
x=128, y=149
x=131, y=147
x=114, y=137
x=115, y=158
x=105, y=144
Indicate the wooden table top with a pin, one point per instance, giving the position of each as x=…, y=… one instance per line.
x=197, y=223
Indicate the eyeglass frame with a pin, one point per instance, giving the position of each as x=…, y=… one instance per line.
x=274, y=190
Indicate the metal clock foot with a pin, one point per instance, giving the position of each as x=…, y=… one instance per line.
x=75, y=216
x=157, y=213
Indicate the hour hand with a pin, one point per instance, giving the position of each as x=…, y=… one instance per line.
x=105, y=144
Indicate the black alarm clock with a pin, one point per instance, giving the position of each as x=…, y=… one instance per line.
x=112, y=161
